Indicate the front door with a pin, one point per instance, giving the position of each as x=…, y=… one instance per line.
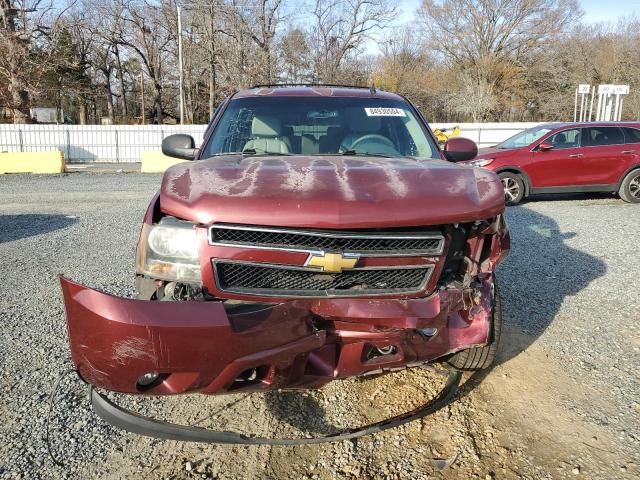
x=561, y=165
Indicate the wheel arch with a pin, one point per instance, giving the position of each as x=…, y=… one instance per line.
x=627, y=172
x=517, y=171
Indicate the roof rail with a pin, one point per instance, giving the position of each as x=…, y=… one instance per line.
x=284, y=85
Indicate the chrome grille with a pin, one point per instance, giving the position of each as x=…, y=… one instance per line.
x=415, y=242
x=285, y=280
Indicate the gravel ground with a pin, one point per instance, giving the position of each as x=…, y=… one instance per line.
x=562, y=403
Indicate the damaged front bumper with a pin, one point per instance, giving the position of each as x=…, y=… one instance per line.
x=213, y=348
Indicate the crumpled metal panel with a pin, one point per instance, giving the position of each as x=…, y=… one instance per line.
x=198, y=346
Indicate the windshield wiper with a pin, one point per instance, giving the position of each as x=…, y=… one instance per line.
x=355, y=153
x=221, y=154
x=250, y=151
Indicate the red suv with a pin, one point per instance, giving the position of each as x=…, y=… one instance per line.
x=318, y=234
x=567, y=157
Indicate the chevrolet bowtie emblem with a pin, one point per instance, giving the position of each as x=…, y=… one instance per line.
x=332, y=262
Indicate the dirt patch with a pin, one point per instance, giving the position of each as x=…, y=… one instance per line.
x=516, y=421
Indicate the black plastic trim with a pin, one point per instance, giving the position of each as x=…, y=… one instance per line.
x=333, y=293
x=627, y=172
x=135, y=423
x=575, y=189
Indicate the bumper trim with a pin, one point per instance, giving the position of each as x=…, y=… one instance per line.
x=136, y=423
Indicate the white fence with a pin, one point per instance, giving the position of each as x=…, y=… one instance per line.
x=487, y=134
x=125, y=143
x=91, y=143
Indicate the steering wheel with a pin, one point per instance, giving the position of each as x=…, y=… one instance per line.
x=377, y=140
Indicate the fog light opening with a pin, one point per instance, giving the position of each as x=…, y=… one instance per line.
x=388, y=350
x=377, y=352
x=148, y=379
x=251, y=377
x=428, y=332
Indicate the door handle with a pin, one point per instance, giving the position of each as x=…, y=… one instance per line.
x=576, y=155
x=628, y=151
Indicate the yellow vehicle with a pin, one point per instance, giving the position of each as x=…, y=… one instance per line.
x=444, y=134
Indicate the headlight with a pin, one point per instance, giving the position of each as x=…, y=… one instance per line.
x=169, y=251
x=481, y=162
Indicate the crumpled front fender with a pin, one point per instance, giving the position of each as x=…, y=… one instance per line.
x=193, y=345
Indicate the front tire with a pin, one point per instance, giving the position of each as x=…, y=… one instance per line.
x=478, y=358
x=630, y=187
x=513, y=187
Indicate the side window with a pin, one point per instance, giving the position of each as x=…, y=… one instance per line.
x=565, y=139
x=215, y=112
x=631, y=135
x=236, y=128
x=599, y=136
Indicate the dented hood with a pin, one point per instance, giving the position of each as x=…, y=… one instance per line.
x=329, y=192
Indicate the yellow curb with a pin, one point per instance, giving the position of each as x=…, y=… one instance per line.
x=157, y=162
x=32, y=162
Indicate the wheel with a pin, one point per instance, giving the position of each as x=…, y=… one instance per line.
x=630, y=188
x=513, y=187
x=477, y=358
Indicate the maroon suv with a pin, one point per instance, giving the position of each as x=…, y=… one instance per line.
x=568, y=158
x=319, y=234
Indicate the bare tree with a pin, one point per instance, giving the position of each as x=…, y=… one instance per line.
x=490, y=41
x=80, y=61
x=339, y=29
x=23, y=25
x=205, y=18
x=149, y=31
x=259, y=20
x=476, y=99
x=220, y=42
x=296, y=56
x=467, y=30
x=503, y=60
x=404, y=62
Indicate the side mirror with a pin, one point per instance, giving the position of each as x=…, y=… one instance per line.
x=179, y=146
x=459, y=149
x=544, y=146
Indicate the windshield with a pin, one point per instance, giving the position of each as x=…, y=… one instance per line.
x=525, y=138
x=320, y=126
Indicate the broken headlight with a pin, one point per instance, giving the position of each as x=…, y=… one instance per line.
x=169, y=251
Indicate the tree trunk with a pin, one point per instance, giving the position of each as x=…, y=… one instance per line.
x=212, y=68
x=109, y=94
x=212, y=92
x=123, y=93
x=212, y=73
x=82, y=113
x=267, y=54
x=157, y=103
x=20, y=100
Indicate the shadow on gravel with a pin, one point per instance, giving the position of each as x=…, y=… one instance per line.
x=15, y=227
x=540, y=272
x=300, y=411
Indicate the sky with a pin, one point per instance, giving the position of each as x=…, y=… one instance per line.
x=594, y=11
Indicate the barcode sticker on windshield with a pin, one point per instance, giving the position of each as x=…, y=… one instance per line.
x=384, y=112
